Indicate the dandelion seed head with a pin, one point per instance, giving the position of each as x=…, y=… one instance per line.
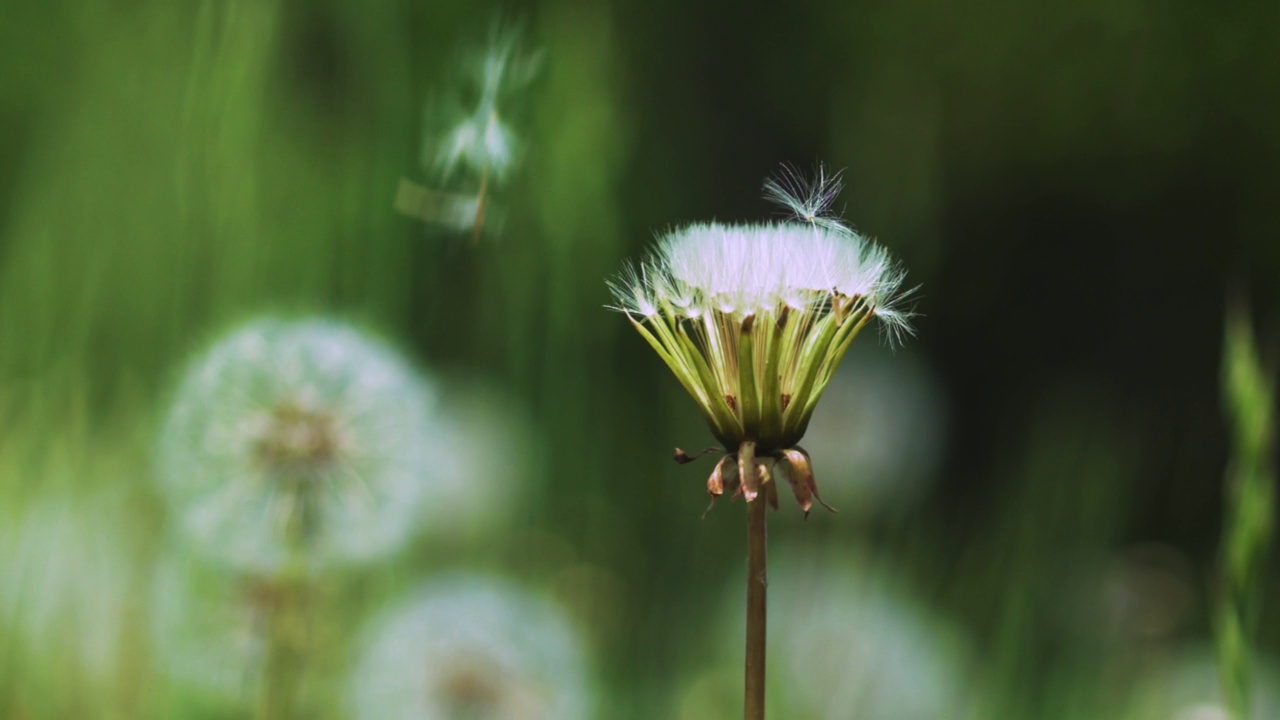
x=752, y=269
x=471, y=646
x=731, y=309
x=755, y=268
x=288, y=428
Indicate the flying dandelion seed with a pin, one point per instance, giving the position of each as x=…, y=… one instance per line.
x=471, y=647
x=471, y=140
x=297, y=443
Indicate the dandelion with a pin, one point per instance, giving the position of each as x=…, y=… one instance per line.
x=297, y=444
x=469, y=646
x=753, y=320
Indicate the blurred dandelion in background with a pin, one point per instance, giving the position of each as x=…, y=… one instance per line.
x=471, y=646
x=1184, y=686
x=880, y=431
x=303, y=442
x=490, y=456
x=1148, y=593
x=67, y=583
x=846, y=640
x=849, y=642
x=471, y=145
x=208, y=627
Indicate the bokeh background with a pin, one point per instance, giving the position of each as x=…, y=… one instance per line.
x=1030, y=490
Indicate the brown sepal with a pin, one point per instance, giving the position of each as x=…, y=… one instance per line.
x=716, y=482
x=800, y=475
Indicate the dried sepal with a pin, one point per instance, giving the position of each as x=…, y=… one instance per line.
x=716, y=481
x=800, y=475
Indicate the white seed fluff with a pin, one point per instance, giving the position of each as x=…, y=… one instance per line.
x=278, y=408
x=758, y=268
x=471, y=646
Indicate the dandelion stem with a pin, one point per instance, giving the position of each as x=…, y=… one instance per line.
x=757, y=588
x=287, y=625
x=284, y=657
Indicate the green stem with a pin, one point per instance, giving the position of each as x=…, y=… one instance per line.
x=282, y=664
x=757, y=589
x=288, y=623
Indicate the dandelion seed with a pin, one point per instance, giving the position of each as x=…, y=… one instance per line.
x=480, y=140
x=471, y=130
x=297, y=441
x=471, y=646
x=807, y=200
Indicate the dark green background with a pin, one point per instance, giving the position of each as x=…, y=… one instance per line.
x=1078, y=188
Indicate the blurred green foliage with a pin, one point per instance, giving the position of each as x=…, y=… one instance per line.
x=1073, y=185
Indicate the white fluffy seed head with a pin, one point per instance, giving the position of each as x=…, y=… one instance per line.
x=757, y=268
x=471, y=646
x=754, y=318
x=306, y=424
